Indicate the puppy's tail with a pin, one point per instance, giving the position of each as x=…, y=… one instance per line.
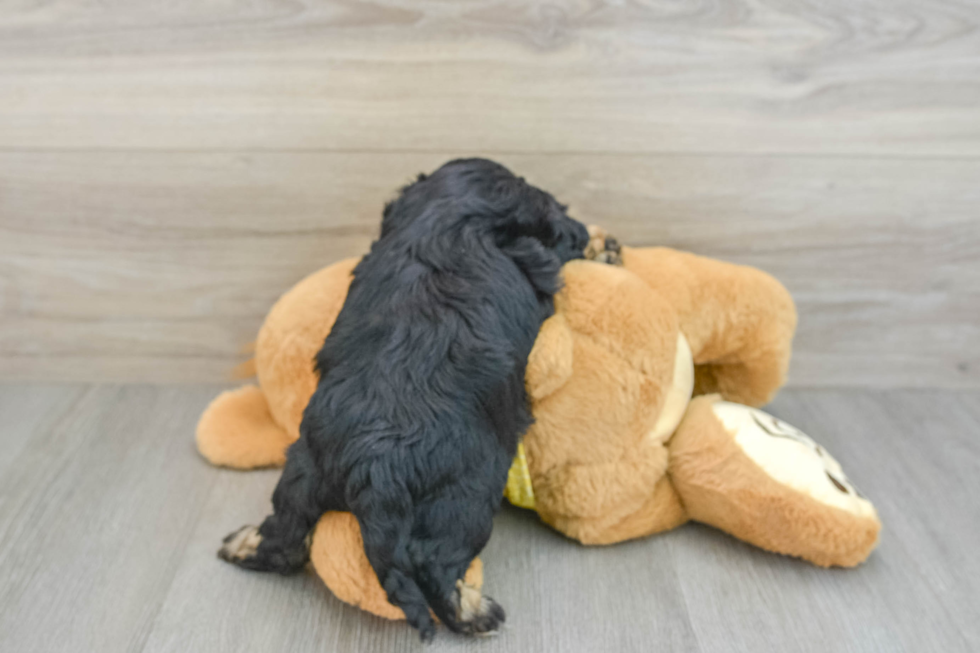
x=386, y=531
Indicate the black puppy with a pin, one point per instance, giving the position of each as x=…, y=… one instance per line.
x=421, y=398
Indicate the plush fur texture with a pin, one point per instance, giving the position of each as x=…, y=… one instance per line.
x=597, y=476
x=421, y=401
x=721, y=486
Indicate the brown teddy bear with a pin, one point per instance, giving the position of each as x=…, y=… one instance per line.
x=643, y=386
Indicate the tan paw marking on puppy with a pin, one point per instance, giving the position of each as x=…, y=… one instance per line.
x=241, y=544
x=602, y=247
x=477, y=614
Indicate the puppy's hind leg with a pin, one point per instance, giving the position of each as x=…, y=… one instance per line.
x=476, y=614
x=386, y=525
x=455, y=530
x=281, y=543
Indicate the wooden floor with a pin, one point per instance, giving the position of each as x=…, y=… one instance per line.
x=109, y=523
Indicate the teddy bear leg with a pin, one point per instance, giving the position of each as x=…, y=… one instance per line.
x=751, y=475
x=738, y=320
x=237, y=430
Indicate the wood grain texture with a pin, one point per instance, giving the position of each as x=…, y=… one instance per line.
x=167, y=169
x=26, y=410
x=927, y=489
x=915, y=454
x=299, y=613
x=94, y=512
x=109, y=523
x=876, y=76
x=153, y=266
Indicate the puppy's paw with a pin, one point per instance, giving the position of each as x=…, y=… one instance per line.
x=427, y=633
x=240, y=545
x=477, y=614
x=602, y=247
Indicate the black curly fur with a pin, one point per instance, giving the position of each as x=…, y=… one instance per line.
x=421, y=399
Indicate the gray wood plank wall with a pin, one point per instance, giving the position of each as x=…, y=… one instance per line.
x=167, y=169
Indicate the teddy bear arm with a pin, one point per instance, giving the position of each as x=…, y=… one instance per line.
x=738, y=320
x=549, y=365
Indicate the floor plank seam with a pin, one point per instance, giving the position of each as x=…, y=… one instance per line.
x=174, y=565
x=55, y=425
x=687, y=603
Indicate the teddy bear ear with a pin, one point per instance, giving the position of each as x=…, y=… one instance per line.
x=549, y=366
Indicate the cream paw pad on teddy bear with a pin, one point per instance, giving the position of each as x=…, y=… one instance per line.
x=644, y=387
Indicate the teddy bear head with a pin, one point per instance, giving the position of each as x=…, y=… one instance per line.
x=610, y=378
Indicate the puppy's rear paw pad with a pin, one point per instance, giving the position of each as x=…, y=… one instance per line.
x=490, y=619
x=241, y=544
x=478, y=614
x=602, y=247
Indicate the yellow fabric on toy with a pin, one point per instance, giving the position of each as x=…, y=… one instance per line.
x=519, y=490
